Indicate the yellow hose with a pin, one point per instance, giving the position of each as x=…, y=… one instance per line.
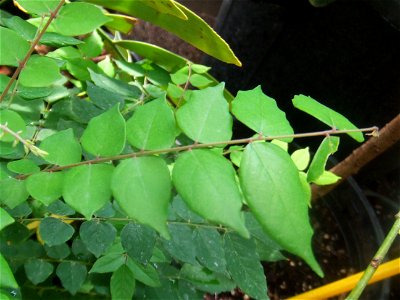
x=344, y=285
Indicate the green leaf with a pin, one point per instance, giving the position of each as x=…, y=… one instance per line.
x=72, y=275
x=46, y=186
x=152, y=126
x=306, y=187
x=103, y=98
x=97, y=236
x=14, y=50
x=328, y=146
x=93, y=45
x=260, y=113
x=209, y=248
x=145, y=274
x=205, y=117
x=73, y=19
x=22, y=210
x=121, y=23
x=58, y=252
x=181, y=209
x=193, y=30
x=244, y=266
x=206, y=182
x=38, y=270
x=327, y=178
x=287, y=223
x=122, y=284
x=58, y=207
x=80, y=68
x=7, y=279
x=23, y=166
x=236, y=154
x=80, y=251
x=138, y=241
x=108, y=263
x=5, y=219
x=326, y=115
x=200, y=69
x=142, y=188
x=40, y=71
x=13, y=192
x=14, y=122
x=199, y=81
x=38, y=7
x=105, y=134
x=62, y=148
x=180, y=76
x=54, y=231
x=180, y=246
x=87, y=188
x=301, y=158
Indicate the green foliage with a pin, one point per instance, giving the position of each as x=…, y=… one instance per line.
x=101, y=168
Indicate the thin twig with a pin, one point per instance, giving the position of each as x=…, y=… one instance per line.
x=186, y=85
x=35, y=42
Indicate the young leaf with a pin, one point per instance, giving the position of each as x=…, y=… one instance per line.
x=23, y=166
x=97, y=236
x=122, y=284
x=13, y=192
x=328, y=146
x=14, y=50
x=180, y=246
x=209, y=249
x=279, y=203
x=145, y=274
x=244, y=265
x=326, y=115
x=205, y=117
x=301, y=158
x=206, y=182
x=14, y=122
x=138, y=241
x=62, y=148
x=38, y=270
x=54, y=231
x=327, y=178
x=142, y=188
x=105, y=134
x=260, y=113
x=72, y=275
x=46, y=186
x=38, y=7
x=40, y=71
x=87, y=188
x=199, y=81
x=7, y=279
x=108, y=263
x=152, y=126
x=5, y=219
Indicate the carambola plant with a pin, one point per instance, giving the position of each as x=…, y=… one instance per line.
x=120, y=178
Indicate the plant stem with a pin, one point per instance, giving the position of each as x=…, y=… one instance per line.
x=376, y=261
x=35, y=42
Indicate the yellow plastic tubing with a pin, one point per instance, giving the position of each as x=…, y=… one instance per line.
x=344, y=285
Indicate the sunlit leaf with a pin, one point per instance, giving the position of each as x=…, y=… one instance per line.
x=121, y=23
x=14, y=50
x=327, y=178
x=23, y=166
x=92, y=46
x=14, y=122
x=54, y=231
x=13, y=192
x=5, y=219
x=38, y=7
x=301, y=158
x=40, y=71
x=45, y=187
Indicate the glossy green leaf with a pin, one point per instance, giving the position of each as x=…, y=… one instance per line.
x=13, y=192
x=87, y=188
x=108, y=263
x=7, y=279
x=122, y=284
x=72, y=275
x=327, y=178
x=14, y=50
x=73, y=19
x=260, y=113
x=105, y=134
x=209, y=249
x=5, y=219
x=206, y=182
x=180, y=246
x=23, y=166
x=205, y=117
x=193, y=30
x=142, y=188
x=152, y=126
x=40, y=71
x=46, y=186
x=138, y=241
x=145, y=274
x=38, y=270
x=244, y=265
x=115, y=85
x=326, y=115
x=301, y=158
x=14, y=122
x=60, y=251
x=38, y=7
x=54, y=231
x=317, y=167
x=62, y=148
x=97, y=236
x=280, y=202
x=103, y=98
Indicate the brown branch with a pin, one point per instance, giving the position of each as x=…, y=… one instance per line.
x=388, y=136
x=35, y=42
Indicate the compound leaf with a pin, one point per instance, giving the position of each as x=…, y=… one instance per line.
x=46, y=186
x=97, y=236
